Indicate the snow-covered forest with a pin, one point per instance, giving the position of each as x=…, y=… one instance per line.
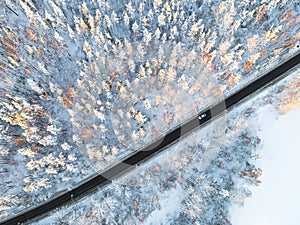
x=83, y=84
x=196, y=181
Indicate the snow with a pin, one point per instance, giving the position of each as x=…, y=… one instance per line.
x=171, y=205
x=276, y=200
x=53, y=64
x=205, y=194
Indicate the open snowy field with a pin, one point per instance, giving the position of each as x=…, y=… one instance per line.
x=276, y=200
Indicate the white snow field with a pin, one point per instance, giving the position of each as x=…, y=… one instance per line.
x=276, y=200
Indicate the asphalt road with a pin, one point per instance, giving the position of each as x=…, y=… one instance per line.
x=203, y=118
